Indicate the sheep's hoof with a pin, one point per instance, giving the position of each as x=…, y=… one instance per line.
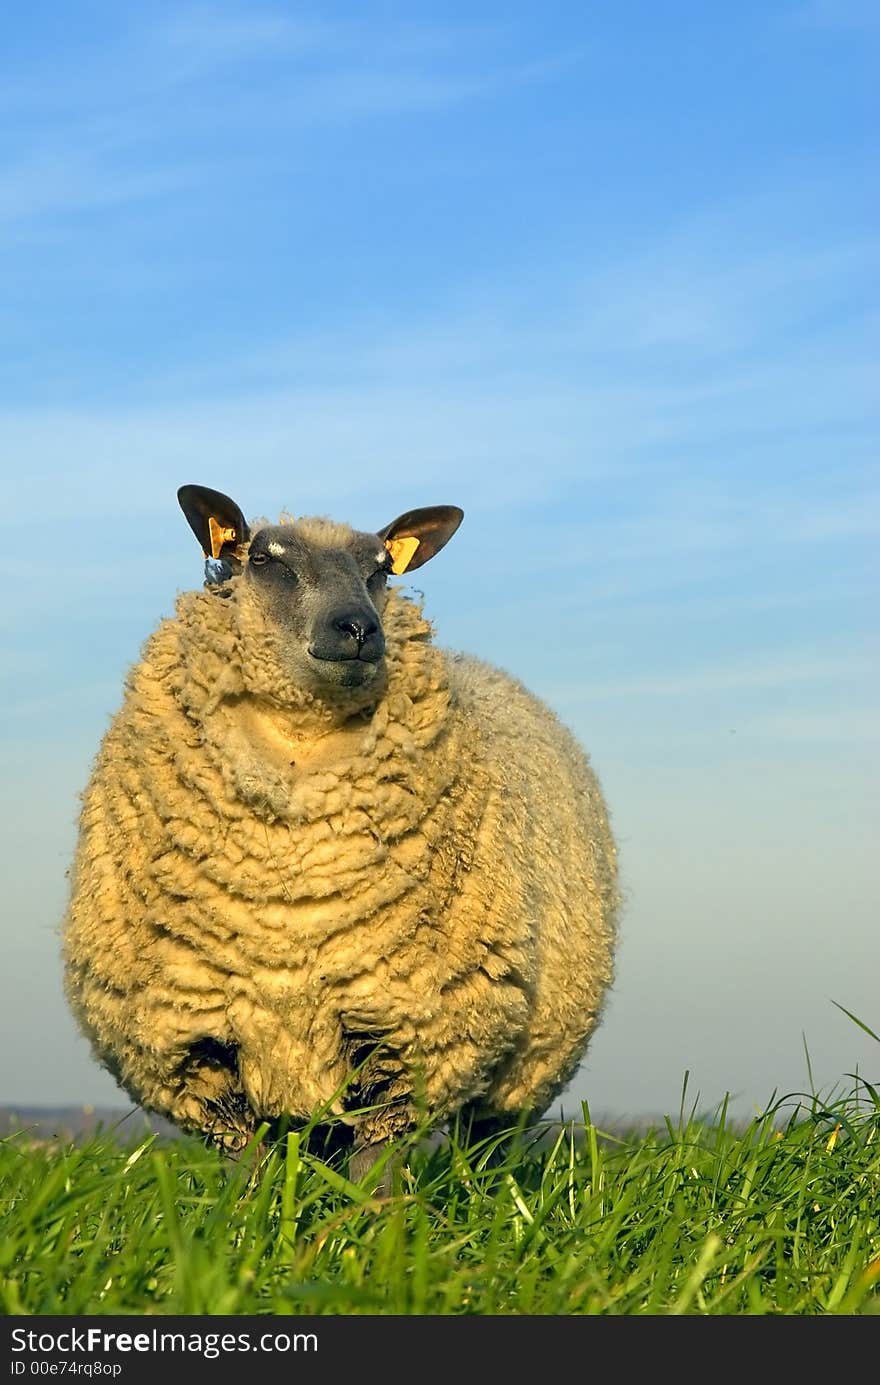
x=361, y=1161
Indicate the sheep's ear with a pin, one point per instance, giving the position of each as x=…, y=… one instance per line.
x=413, y=538
x=214, y=519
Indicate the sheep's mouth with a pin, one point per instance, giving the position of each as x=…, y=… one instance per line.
x=350, y=673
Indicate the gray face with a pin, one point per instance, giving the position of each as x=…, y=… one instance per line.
x=326, y=604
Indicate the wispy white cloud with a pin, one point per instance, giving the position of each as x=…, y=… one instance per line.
x=843, y=15
x=368, y=441
x=755, y=674
x=156, y=54
x=502, y=448
x=847, y=725
x=198, y=38
x=149, y=94
x=710, y=311
x=53, y=181
x=684, y=296
x=511, y=413
x=211, y=34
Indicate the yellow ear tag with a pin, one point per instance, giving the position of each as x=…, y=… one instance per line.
x=219, y=535
x=402, y=553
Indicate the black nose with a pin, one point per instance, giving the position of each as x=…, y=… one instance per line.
x=354, y=633
x=356, y=624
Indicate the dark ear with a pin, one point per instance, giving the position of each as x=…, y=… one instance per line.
x=413, y=538
x=215, y=520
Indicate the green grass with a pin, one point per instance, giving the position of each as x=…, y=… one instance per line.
x=698, y=1217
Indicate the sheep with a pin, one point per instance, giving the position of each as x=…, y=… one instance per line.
x=325, y=866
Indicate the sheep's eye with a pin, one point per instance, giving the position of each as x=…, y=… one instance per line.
x=383, y=569
x=258, y=559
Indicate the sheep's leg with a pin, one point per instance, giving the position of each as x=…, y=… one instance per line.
x=361, y=1160
x=475, y=1127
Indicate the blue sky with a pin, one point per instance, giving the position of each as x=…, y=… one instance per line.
x=604, y=276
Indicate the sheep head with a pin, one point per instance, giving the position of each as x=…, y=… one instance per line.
x=315, y=590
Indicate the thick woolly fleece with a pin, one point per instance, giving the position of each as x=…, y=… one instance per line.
x=415, y=882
